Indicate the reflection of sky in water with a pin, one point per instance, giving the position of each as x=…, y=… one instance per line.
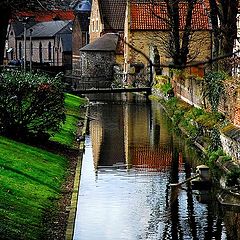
x=119, y=205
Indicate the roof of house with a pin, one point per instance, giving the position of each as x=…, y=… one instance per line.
x=106, y=43
x=18, y=27
x=45, y=16
x=148, y=16
x=47, y=29
x=113, y=14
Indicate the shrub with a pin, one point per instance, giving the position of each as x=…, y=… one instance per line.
x=31, y=105
x=161, y=79
x=166, y=88
x=233, y=176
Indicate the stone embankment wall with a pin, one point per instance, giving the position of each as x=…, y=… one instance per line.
x=230, y=138
x=190, y=90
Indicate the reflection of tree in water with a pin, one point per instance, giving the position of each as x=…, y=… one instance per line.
x=176, y=231
x=190, y=205
x=232, y=223
x=172, y=223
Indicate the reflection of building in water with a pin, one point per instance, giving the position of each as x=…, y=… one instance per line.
x=107, y=134
x=126, y=133
x=149, y=146
x=157, y=159
x=96, y=131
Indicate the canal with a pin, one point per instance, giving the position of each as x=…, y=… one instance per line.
x=132, y=155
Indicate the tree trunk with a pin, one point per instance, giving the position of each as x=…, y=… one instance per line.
x=187, y=33
x=215, y=30
x=224, y=24
x=5, y=14
x=228, y=29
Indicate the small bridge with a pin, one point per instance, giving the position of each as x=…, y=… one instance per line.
x=147, y=90
x=101, y=85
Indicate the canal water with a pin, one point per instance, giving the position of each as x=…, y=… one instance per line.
x=132, y=155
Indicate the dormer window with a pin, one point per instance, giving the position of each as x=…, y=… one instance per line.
x=96, y=25
x=238, y=22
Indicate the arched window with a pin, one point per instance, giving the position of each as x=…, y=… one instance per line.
x=20, y=50
x=40, y=53
x=49, y=51
x=31, y=48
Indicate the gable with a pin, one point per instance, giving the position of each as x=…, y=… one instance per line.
x=113, y=14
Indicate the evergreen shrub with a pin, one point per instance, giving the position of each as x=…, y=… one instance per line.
x=31, y=104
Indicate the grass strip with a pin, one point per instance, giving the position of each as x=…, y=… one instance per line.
x=31, y=180
x=67, y=133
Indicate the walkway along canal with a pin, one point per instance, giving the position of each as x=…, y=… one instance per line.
x=132, y=155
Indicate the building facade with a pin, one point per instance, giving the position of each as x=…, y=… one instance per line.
x=48, y=39
x=80, y=32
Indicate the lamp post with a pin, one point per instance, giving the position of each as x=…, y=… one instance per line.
x=25, y=20
x=24, y=45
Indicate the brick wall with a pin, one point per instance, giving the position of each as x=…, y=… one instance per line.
x=95, y=26
x=56, y=51
x=189, y=89
x=80, y=37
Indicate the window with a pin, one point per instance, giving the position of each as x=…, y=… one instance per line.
x=96, y=25
x=238, y=22
x=40, y=53
x=31, y=49
x=49, y=51
x=93, y=27
x=20, y=50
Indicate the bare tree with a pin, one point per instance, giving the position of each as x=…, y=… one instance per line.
x=223, y=14
x=180, y=45
x=182, y=21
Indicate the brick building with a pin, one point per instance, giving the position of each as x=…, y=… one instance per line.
x=147, y=30
x=80, y=34
x=108, y=17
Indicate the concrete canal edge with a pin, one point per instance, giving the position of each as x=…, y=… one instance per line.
x=74, y=200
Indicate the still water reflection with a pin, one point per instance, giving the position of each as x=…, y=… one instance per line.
x=131, y=157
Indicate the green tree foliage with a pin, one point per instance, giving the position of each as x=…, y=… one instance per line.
x=213, y=88
x=31, y=105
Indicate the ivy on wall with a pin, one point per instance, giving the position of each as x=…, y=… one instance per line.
x=213, y=88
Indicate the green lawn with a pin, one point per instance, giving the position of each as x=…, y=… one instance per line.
x=31, y=179
x=66, y=135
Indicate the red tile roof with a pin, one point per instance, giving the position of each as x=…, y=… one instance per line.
x=46, y=16
x=146, y=16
